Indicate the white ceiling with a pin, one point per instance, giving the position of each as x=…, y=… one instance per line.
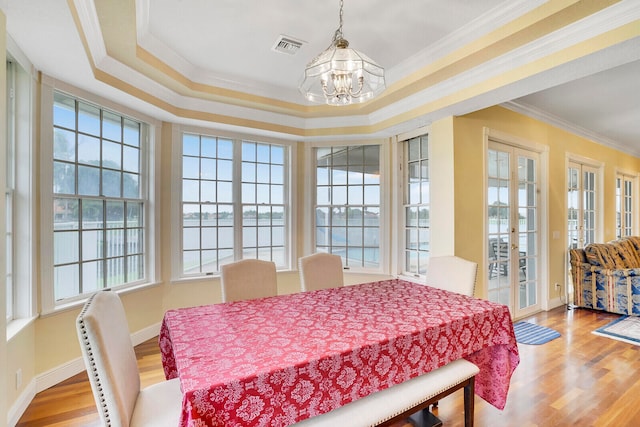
x=228, y=44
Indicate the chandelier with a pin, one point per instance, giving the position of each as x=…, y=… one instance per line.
x=341, y=75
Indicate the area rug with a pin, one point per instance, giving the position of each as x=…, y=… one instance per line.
x=626, y=328
x=529, y=333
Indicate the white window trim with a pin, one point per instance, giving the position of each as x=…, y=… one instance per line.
x=150, y=187
x=633, y=177
x=599, y=166
x=398, y=220
x=399, y=202
x=385, y=200
x=291, y=189
x=24, y=267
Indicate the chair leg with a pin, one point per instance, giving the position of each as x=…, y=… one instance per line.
x=469, y=402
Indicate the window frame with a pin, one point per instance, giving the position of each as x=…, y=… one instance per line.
x=310, y=202
x=10, y=158
x=290, y=188
x=22, y=140
x=405, y=203
x=621, y=211
x=149, y=185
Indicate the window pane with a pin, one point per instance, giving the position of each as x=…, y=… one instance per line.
x=66, y=281
x=92, y=214
x=92, y=276
x=111, y=126
x=115, y=242
x=135, y=268
x=88, y=119
x=65, y=247
x=88, y=150
x=65, y=214
x=111, y=183
x=190, y=145
x=92, y=244
x=111, y=155
x=208, y=169
x=64, y=178
x=64, y=111
x=115, y=271
x=208, y=192
x=131, y=159
x=131, y=133
x=131, y=185
x=135, y=241
x=64, y=145
x=115, y=214
x=88, y=181
x=208, y=147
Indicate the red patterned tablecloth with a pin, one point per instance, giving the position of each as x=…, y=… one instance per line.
x=275, y=361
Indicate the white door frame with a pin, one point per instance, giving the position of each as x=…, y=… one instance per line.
x=543, y=152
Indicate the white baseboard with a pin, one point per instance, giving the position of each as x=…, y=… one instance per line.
x=63, y=372
x=145, y=334
x=556, y=302
x=59, y=374
x=21, y=404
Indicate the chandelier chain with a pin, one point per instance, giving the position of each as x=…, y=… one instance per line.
x=338, y=34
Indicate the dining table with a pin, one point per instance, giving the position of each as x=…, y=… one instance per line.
x=278, y=360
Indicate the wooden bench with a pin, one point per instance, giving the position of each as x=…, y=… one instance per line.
x=396, y=403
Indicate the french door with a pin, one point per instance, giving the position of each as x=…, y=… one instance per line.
x=513, y=215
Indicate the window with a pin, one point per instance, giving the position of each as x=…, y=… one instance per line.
x=263, y=207
x=347, y=219
x=10, y=185
x=98, y=198
x=19, y=239
x=207, y=203
x=416, y=205
x=582, y=202
x=624, y=205
x=214, y=169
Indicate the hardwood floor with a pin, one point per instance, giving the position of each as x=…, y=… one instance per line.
x=579, y=379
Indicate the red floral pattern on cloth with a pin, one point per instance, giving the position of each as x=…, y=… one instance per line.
x=276, y=361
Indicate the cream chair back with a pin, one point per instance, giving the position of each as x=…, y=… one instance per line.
x=320, y=271
x=452, y=273
x=248, y=279
x=109, y=357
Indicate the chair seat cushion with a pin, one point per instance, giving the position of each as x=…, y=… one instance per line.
x=158, y=405
x=386, y=404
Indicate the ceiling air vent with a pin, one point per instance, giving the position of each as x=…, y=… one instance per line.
x=288, y=45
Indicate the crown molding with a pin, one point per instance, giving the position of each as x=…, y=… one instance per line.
x=535, y=113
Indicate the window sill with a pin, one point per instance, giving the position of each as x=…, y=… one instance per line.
x=16, y=325
x=80, y=302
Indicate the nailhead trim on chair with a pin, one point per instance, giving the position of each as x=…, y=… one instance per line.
x=94, y=370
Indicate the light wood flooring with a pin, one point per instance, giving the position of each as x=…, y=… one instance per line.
x=579, y=379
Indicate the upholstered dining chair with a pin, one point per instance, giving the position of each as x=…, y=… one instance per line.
x=452, y=273
x=248, y=279
x=320, y=271
x=113, y=370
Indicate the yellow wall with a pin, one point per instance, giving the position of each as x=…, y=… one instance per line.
x=469, y=184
